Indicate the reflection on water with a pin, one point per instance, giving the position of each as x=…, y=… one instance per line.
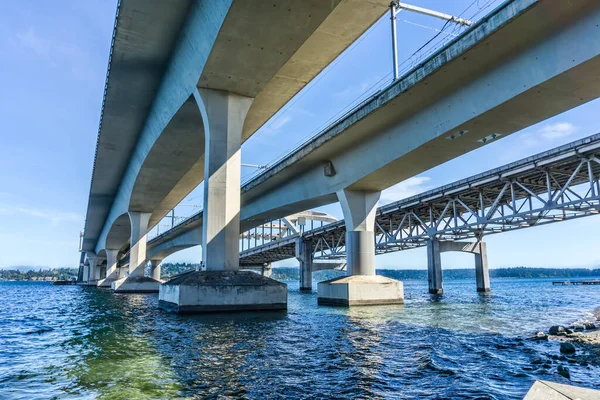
x=73, y=342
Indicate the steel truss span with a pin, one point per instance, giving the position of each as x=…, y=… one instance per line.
x=553, y=186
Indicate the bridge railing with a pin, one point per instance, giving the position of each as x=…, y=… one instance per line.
x=280, y=229
x=174, y=218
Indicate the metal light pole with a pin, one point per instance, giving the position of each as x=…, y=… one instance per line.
x=396, y=7
x=393, y=14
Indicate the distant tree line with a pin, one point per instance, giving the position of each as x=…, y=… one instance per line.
x=292, y=273
x=39, y=274
x=171, y=269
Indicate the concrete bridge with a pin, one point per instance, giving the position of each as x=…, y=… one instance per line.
x=556, y=185
x=513, y=68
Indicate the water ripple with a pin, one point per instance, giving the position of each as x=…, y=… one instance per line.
x=74, y=342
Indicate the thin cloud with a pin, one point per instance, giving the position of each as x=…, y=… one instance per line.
x=357, y=90
x=277, y=124
x=52, y=52
x=557, y=131
x=31, y=41
x=410, y=187
x=548, y=133
x=54, y=216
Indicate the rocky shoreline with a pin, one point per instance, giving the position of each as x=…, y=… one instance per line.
x=579, y=343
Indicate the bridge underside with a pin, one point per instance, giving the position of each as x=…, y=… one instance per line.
x=150, y=147
x=270, y=253
x=477, y=89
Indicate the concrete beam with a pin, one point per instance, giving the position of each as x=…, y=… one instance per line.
x=189, y=238
x=144, y=34
x=321, y=266
x=214, y=45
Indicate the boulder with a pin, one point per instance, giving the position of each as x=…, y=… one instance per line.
x=541, y=336
x=589, y=325
x=578, y=328
x=567, y=348
x=556, y=329
x=563, y=371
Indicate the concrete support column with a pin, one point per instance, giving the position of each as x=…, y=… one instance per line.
x=98, y=271
x=434, y=267
x=361, y=286
x=222, y=287
x=156, y=269
x=360, y=252
x=85, y=276
x=81, y=267
x=478, y=249
x=482, y=274
x=137, y=252
x=359, y=214
x=93, y=269
x=112, y=272
x=304, y=257
x=112, y=258
x=223, y=114
x=267, y=270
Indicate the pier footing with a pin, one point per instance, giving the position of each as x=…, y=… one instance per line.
x=136, y=284
x=360, y=290
x=544, y=390
x=106, y=283
x=214, y=291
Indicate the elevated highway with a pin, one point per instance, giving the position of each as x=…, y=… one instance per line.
x=515, y=67
x=150, y=149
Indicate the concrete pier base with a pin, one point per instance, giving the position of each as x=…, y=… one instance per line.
x=106, y=283
x=544, y=390
x=90, y=283
x=360, y=290
x=214, y=291
x=136, y=284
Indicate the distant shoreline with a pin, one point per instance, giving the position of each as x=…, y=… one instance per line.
x=292, y=273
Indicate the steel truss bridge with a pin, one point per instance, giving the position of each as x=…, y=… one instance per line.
x=557, y=185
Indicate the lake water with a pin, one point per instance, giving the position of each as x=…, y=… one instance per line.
x=77, y=342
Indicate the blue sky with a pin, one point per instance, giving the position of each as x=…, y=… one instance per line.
x=52, y=75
